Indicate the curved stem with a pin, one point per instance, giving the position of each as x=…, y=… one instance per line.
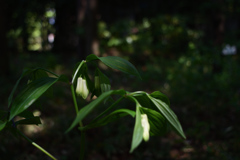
x=36, y=145
x=132, y=98
x=76, y=72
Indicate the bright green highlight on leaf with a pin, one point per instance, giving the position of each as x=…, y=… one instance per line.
x=30, y=94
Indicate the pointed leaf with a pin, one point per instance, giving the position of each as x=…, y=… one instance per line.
x=40, y=72
x=169, y=115
x=138, y=130
x=30, y=94
x=25, y=72
x=88, y=108
x=120, y=64
x=116, y=63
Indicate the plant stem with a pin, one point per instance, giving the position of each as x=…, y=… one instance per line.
x=75, y=103
x=82, y=143
x=36, y=145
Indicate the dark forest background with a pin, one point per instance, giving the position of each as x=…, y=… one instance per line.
x=186, y=49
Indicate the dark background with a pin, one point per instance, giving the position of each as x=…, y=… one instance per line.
x=177, y=46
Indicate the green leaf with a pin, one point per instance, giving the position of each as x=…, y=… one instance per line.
x=33, y=120
x=88, y=108
x=143, y=99
x=169, y=115
x=30, y=94
x=2, y=124
x=138, y=130
x=39, y=72
x=25, y=72
x=116, y=63
x=115, y=115
x=36, y=74
x=158, y=123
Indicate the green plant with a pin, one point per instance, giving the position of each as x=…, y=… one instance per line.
x=153, y=115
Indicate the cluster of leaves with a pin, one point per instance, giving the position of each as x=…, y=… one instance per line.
x=154, y=106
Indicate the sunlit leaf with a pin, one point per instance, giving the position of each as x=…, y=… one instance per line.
x=138, y=131
x=30, y=94
x=88, y=108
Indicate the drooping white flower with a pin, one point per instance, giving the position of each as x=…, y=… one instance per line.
x=146, y=127
x=82, y=89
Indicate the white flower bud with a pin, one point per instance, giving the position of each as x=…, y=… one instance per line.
x=146, y=127
x=82, y=89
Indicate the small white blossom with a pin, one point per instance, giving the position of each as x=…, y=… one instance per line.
x=82, y=89
x=146, y=127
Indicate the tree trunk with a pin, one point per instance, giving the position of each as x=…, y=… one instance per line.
x=87, y=24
